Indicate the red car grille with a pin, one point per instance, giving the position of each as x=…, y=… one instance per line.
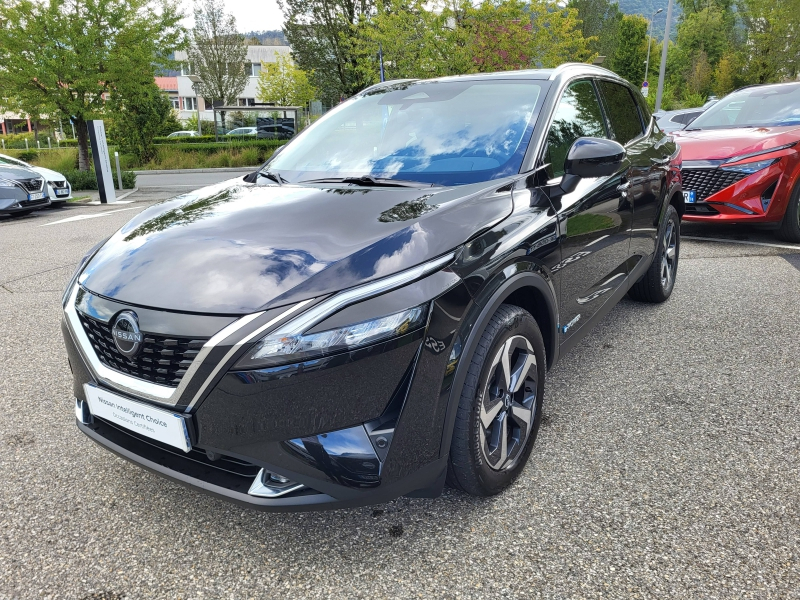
x=707, y=182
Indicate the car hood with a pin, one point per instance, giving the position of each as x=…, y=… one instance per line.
x=16, y=173
x=236, y=248
x=48, y=174
x=720, y=144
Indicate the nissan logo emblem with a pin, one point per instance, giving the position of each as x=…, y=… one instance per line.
x=126, y=334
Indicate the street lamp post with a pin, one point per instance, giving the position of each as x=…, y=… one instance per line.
x=649, y=43
x=196, y=83
x=663, y=67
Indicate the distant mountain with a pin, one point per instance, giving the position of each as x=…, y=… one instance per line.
x=646, y=8
x=271, y=37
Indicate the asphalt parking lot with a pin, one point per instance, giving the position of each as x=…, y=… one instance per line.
x=667, y=466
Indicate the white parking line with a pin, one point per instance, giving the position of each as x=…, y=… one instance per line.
x=724, y=241
x=91, y=216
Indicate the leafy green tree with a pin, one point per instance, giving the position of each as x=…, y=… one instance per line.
x=141, y=111
x=599, y=19
x=428, y=40
x=66, y=56
x=772, y=48
x=218, y=53
x=324, y=36
x=706, y=31
x=282, y=83
x=632, y=48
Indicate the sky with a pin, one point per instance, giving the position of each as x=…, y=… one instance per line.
x=251, y=15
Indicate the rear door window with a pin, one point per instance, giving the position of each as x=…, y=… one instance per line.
x=623, y=114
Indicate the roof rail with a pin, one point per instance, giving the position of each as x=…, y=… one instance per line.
x=585, y=66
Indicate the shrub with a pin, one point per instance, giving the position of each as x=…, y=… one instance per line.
x=86, y=180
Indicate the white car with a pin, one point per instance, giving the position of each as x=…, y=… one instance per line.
x=243, y=131
x=58, y=188
x=175, y=134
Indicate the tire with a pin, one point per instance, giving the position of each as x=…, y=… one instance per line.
x=477, y=463
x=658, y=282
x=789, y=231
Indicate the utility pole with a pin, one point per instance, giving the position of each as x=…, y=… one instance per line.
x=663, y=68
x=380, y=57
x=647, y=62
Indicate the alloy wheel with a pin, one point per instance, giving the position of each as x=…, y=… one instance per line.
x=508, y=403
x=669, y=256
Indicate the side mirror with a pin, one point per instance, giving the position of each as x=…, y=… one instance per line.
x=594, y=157
x=253, y=177
x=587, y=157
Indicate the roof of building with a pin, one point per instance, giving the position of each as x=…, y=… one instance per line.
x=167, y=84
x=256, y=54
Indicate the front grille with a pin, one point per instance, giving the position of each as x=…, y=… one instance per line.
x=59, y=184
x=26, y=203
x=707, y=182
x=162, y=360
x=32, y=185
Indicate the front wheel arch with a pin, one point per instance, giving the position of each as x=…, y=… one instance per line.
x=523, y=288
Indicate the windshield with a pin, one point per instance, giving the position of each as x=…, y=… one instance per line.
x=440, y=132
x=763, y=106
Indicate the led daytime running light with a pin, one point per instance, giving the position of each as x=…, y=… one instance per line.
x=281, y=348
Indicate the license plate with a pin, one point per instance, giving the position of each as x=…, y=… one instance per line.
x=36, y=196
x=63, y=192
x=155, y=423
x=689, y=197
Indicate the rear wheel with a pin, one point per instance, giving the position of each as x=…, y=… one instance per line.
x=656, y=285
x=790, y=225
x=500, y=406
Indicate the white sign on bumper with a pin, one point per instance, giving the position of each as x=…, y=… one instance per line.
x=155, y=423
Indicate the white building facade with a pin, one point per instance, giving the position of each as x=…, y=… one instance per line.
x=185, y=100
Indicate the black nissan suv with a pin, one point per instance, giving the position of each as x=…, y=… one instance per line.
x=373, y=312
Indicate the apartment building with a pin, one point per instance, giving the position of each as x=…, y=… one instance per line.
x=185, y=100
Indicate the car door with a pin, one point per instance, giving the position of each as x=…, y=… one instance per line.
x=593, y=221
x=647, y=177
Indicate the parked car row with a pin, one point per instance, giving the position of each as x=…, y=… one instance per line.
x=25, y=188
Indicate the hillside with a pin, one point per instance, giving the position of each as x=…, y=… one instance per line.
x=647, y=8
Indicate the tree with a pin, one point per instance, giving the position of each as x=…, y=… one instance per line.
x=218, y=53
x=725, y=75
x=599, y=19
x=65, y=56
x=324, y=35
x=772, y=46
x=284, y=84
x=632, y=48
x=429, y=40
x=141, y=112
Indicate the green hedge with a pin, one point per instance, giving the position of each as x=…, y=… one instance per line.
x=223, y=140
x=86, y=180
x=208, y=148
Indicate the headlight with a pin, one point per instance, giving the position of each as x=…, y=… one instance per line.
x=283, y=347
x=752, y=167
x=7, y=183
x=79, y=270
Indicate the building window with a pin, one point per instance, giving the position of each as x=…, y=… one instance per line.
x=176, y=102
x=189, y=103
x=186, y=69
x=255, y=69
x=246, y=101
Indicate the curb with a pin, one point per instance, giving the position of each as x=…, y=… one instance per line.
x=180, y=171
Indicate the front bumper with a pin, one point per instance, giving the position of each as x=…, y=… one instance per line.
x=59, y=194
x=758, y=198
x=15, y=200
x=386, y=402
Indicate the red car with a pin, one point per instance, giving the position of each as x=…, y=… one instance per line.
x=741, y=160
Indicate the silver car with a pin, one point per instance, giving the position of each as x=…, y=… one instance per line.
x=21, y=191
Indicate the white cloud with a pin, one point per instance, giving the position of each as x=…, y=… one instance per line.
x=250, y=16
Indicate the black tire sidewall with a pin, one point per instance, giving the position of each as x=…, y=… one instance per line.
x=514, y=321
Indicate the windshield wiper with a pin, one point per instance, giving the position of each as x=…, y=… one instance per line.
x=368, y=181
x=274, y=176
